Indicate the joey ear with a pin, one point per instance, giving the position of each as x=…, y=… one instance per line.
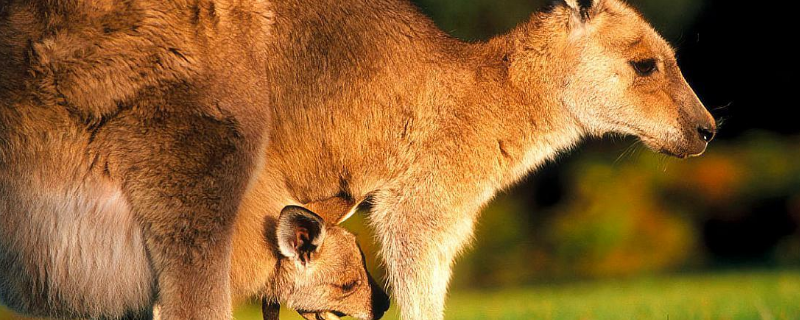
x=585, y=10
x=300, y=232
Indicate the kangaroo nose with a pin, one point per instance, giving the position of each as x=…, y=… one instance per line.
x=706, y=134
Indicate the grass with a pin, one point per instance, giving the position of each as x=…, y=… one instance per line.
x=739, y=295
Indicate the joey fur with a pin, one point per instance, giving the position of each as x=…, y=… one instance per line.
x=320, y=270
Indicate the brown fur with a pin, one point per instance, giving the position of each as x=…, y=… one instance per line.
x=372, y=103
x=126, y=148
x=165, y=116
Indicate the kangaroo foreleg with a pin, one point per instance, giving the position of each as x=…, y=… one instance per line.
x=419, y=241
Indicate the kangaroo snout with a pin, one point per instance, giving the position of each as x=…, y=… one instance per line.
x=700, y=132
x=706, y=125
x=706, y=132
x=693, y=139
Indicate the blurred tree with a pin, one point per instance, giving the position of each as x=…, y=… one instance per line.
x=612, y=224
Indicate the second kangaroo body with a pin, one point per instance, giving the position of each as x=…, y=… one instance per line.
x=373, y=104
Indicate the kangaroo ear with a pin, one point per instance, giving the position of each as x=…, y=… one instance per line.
x=300, y=233
x=585, y=10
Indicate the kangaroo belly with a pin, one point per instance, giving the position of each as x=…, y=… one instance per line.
x=71, y=250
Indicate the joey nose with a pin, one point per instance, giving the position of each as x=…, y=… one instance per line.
x=380, y=300
x=706, y=133
x=380, y=304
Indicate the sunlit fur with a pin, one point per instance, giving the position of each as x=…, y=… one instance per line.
x=373, y=104
x=178, y=126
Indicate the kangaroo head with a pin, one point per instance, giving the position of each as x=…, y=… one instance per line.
x=323, y=273
x=618, y=75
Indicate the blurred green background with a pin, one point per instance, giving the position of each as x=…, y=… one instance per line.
x=614, y=231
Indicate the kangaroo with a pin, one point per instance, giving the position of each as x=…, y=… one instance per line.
x=373, y=106
x=129, y=132
x=320, y=270
x=143, y=142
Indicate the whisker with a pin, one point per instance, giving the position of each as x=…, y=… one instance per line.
x=626, y=153
x=639, y=148
x=664, y=162
x=722, y=107
x=721, y=121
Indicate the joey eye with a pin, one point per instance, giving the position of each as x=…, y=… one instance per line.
x=350, y=285
x=644, y=67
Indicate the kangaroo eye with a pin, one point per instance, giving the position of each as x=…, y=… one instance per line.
x=350, y=285
x=644, y=67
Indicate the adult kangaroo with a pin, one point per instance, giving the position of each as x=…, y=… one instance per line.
x=372, y=104
x=143, y=142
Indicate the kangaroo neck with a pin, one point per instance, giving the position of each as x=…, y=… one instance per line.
x=515, y=98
